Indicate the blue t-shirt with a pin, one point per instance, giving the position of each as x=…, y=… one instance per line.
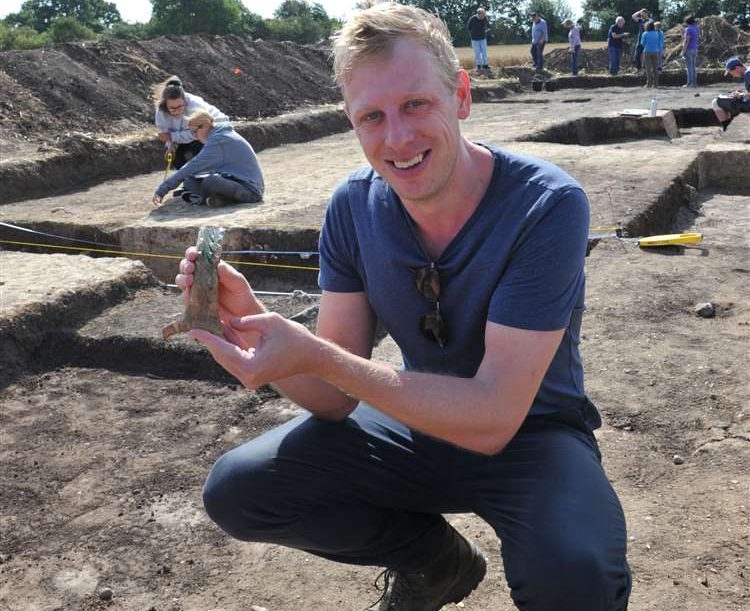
x=611, y=41
x=692, y=33
x=539, y=32
x=651, y=41
x=518, y=261
x=747, y=80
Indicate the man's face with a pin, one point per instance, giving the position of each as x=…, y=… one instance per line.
x=737, y=72
x=480, y=13
x=620, y=22
x=407, y=119
x=535, y=19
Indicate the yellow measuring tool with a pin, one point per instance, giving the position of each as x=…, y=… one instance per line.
x=170, y=158
x=671, y=239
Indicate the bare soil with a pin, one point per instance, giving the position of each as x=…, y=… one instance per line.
x=108, y=432
x=105, y=87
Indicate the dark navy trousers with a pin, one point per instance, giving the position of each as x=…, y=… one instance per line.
x=370, y=491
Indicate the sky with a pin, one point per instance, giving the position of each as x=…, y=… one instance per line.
x=140, y=10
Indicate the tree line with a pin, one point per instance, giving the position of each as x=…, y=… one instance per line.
x=42, y=22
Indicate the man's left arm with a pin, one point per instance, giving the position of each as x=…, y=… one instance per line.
x=481, y=414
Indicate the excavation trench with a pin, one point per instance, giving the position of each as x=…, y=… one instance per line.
x=116, y=325
x=589, y=131
x=85, y=161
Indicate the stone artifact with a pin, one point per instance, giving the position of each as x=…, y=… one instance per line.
x=202, y=311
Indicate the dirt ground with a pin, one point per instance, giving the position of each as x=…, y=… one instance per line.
x=109, y=432
x=104, y=87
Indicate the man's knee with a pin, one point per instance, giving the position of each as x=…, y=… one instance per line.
x=211, y=184
x=228, y=494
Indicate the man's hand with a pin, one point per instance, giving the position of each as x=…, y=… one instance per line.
x=236, y=298
x=156, y=199
x=261, y=349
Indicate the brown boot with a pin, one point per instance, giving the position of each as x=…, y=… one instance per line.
x=449, y=578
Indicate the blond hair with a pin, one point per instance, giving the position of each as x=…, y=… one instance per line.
x=373, y=32
x=199, y=118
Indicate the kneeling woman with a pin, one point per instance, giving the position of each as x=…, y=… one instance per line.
x=173, y=105
x=226, y=171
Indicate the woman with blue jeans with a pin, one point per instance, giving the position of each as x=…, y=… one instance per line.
x=477, y=26
x=574, y=40
x=651, y=43
x=690, y=37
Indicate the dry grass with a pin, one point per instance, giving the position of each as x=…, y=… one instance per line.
x=513, y=55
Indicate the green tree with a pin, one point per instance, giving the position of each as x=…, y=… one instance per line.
x=554, y=13
x=600, y=14
x=455, y=14
x=674, y=11
x=301, y=22
x=737, y=12
x=128, y=31
x=510, y=20
x=68, y=29
x=20, y=37
x=254, y=25
x=97, y=15
x=199, y=16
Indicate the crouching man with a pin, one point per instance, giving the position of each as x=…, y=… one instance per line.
x=472, y=258
x=727, y=107
x=225, y=171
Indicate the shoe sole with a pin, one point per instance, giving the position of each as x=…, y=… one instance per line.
x=474, y=577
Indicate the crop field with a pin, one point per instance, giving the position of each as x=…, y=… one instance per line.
x=511, y=55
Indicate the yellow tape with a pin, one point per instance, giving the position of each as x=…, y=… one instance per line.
x=145, y=254
x=169, y=164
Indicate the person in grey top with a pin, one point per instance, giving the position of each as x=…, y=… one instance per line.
x=539, y=38
x=226, y=171
x=173, y=106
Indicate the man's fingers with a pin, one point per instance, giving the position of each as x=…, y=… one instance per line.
x=186, y=267
x=256, y=323
x=184, y=281
x=229, y=356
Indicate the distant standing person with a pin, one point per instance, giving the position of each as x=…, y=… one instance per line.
x=658, y=28
x=640, y=17
x=574, y=44
x=727, y=107
x=614, y=44
x=651, y=47
x=539, y=38
x=173, y=106
x=226, y=171
x=690, y=39
x=477, y=26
